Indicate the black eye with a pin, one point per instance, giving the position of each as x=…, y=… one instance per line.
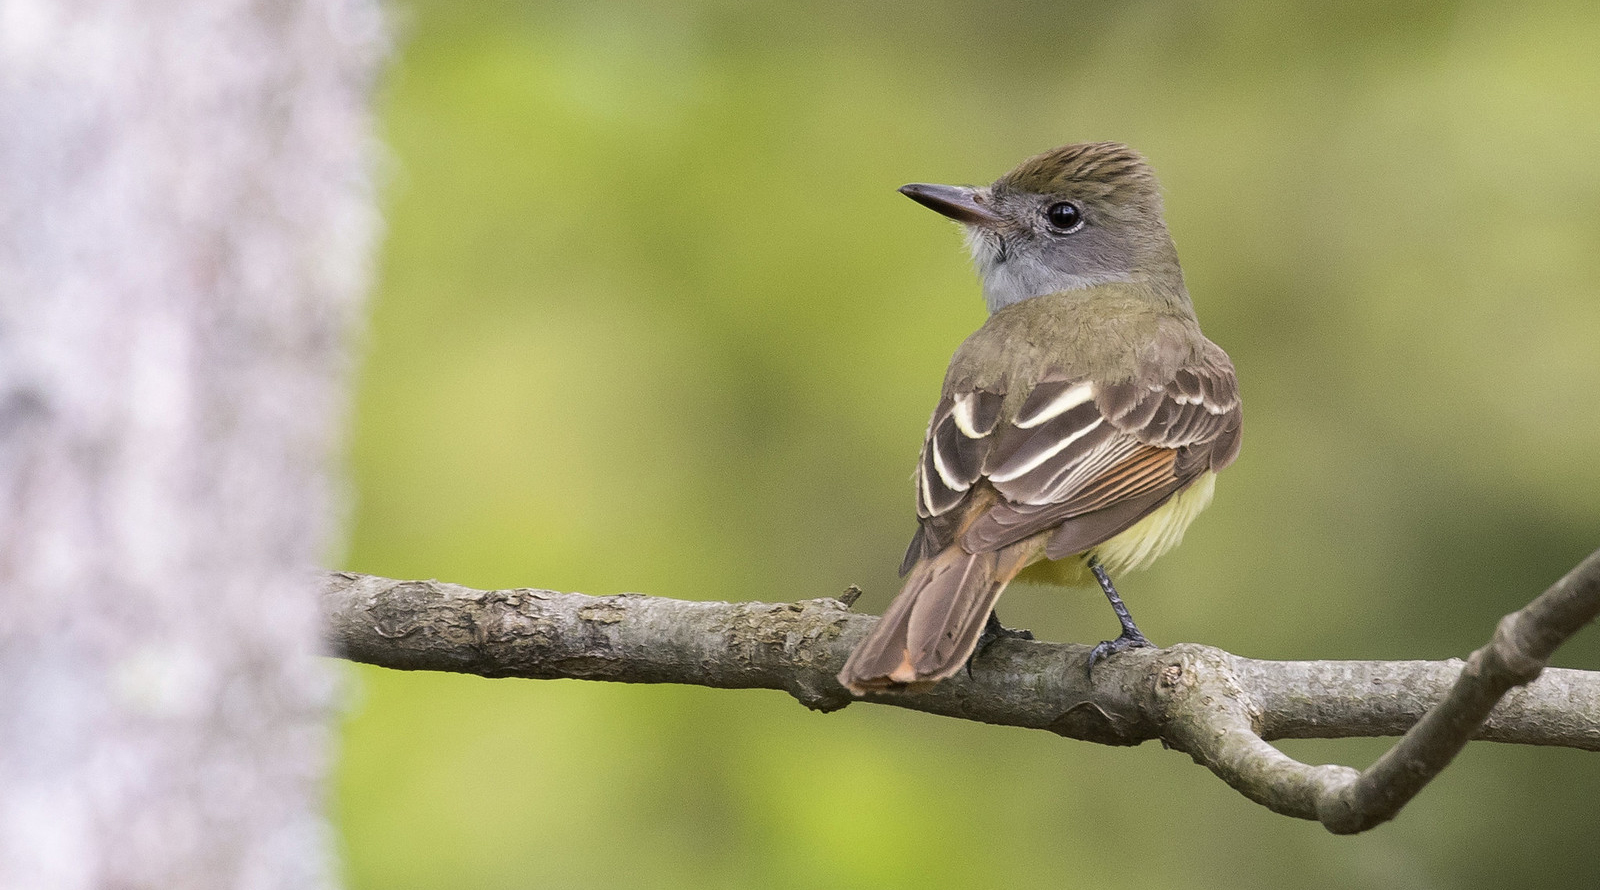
x=1065, y=216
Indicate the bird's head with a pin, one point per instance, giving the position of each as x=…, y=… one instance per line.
x=1070, y=218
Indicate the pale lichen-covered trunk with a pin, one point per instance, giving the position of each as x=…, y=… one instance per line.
x=186, y=220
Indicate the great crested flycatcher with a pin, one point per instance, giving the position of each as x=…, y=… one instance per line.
x=1080, y=429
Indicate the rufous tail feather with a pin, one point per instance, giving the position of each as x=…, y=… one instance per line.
x=931, y=628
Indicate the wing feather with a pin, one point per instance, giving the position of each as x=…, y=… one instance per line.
x=1085, y=457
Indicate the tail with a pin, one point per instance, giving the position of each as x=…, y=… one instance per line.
x=931, y=628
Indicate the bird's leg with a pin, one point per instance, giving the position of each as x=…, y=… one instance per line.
x=994, y=630
x=1131, y=638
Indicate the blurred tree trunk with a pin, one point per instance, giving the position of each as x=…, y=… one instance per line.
x=186, y=220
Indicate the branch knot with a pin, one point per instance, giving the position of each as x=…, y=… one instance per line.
x=1508, y=648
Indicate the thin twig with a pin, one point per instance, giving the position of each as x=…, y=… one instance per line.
x=1521, y=647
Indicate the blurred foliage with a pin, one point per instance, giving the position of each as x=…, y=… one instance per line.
x=652, y=318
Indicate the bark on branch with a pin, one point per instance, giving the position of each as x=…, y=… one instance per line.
x=1220, y=708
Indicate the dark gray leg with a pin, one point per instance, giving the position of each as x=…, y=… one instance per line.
x=1131, y=638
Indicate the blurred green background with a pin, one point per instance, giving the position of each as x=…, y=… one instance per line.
x=652, y=318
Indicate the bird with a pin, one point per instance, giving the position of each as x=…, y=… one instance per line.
x=1079, y=430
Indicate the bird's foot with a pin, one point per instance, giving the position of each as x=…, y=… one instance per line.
x=994, y=630
x=1108, y=648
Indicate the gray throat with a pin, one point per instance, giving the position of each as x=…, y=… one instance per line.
x=1007, y=286
x=1013, y=276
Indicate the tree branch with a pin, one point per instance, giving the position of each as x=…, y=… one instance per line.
x=1521, y=647
x=1219, y=708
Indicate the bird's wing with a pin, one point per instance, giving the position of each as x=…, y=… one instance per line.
x=1090, y=458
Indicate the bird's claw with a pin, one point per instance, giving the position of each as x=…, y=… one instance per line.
x=994, y=630
x=1108, y=648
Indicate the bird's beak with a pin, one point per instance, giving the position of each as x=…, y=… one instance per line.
x=959, y=202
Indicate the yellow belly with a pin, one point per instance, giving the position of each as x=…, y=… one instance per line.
x=1135, y=548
